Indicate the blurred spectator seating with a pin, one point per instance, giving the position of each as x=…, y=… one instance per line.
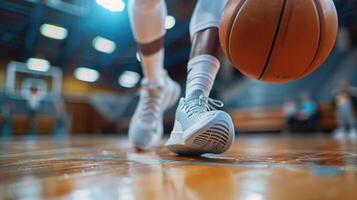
x=272, y=119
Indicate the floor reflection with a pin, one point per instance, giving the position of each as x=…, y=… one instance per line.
x=107, y=168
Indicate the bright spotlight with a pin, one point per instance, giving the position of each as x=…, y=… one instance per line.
x=138, y=56
x=112, y=5
x=170, y=22
x=129, y=79
x=38, y=64
x=104, y=45
x=86, y=74
x=53, y=31
x=254, y=196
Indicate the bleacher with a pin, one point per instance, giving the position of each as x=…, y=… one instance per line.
x=262, y=102
x=264, y=120
x=256, y=94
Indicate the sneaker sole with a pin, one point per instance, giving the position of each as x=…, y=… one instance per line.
x=216, y=137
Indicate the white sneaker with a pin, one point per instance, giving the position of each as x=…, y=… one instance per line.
x=339, y=133
x=146, y=126
x=200, y=128
x=353, y=134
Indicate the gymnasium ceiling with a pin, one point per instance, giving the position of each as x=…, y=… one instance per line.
x=20, y=37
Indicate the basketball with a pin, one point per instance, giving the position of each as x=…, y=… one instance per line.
x=278, y=40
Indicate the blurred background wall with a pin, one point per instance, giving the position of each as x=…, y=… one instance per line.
x=80, y=35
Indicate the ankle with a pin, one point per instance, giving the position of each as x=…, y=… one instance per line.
x=202, y=71
x=194, y=94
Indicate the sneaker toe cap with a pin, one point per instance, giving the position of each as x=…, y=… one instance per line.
x=144, y=138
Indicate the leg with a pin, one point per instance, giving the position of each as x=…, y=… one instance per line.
x=203, y=64
x=147, y=19
x=340, y=131
x=158, y=91
x=199, y=128
x=32, y=122
x=351, y=123
x=350, y=118
x=341, y=119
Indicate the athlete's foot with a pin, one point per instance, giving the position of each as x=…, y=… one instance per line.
x=339, y=134
x=353, y=134
x=200, y=128
x=146, y=126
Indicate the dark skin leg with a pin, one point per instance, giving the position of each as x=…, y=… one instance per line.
x=205, y=42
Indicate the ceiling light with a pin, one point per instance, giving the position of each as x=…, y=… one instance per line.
x=129, y=79
x=86, y=74
x=104, y=45
x=170, y=22
x=53, y=31
x=38, y=64
x=112, y=5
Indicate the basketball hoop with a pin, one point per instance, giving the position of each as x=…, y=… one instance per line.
x=20, y=79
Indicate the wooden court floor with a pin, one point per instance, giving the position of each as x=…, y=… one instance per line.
x=256, y=168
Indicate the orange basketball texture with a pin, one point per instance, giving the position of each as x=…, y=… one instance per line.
x=278, y=40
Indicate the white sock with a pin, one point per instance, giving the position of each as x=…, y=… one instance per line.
x=147, y=19
x=202, y=71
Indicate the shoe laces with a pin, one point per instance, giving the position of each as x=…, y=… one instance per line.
x=200, y=105
x=150, y=104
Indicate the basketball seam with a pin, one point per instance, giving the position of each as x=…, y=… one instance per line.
x=318, y=10
x=229, y=28
x=277, y=30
